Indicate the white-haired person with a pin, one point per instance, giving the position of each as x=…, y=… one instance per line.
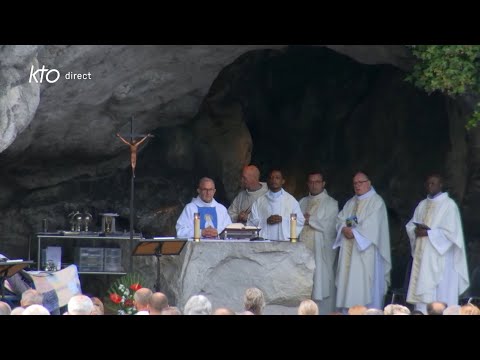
x=198, y=305
x=36, y=309
x=308, y=307
x=396, y=309
x=17, y=311
x=80, y=305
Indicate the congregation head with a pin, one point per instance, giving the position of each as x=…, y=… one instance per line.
x=198, y=305
x=308, y=307
x=98, y=307
x=17, y=311
x=5, y=309
x=396, y=309
x=36, y=309
x=171, y=310
x=254, y=300
x=158, y=302
x=141, y=298
x=31, y=297
x=373, y=311
x=357, y=310
x=223, y=311
x=80, y=305
x=436, y=308
x=469, y=309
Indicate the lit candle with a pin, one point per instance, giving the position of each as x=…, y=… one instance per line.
x=196, y=227
x=293, y=227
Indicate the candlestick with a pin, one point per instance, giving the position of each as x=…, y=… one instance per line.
x=196, y=227
x=293, y=227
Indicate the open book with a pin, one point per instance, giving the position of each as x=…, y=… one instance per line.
x=421, y=226
x=239, y=231
x=240, y=226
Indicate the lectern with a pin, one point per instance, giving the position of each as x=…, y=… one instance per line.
x=157, y=247
x=10, y=268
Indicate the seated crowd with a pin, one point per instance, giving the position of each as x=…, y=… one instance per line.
x=148, y=302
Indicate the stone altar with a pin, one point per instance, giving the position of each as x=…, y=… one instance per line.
x=223, y=269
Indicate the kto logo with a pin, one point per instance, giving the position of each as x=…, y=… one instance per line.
x=51, y=75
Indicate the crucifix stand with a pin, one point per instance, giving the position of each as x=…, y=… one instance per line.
x=159, y=247
x=133, y=154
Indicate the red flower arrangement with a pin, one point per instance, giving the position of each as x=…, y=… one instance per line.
x=120, y=294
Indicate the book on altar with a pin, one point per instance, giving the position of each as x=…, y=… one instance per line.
x=421, y=226
x=239, y=231
x=240, y=226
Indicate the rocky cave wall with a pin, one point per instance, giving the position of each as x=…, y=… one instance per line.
x=213, y=109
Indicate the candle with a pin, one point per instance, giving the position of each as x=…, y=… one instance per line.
x=293, y=227
x=196, y=227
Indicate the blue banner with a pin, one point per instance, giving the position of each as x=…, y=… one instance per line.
x=208, y=217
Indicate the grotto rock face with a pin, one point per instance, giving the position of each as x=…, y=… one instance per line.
x=377, y=54
x=161, y=86
x=213, y=109
x=18, y=98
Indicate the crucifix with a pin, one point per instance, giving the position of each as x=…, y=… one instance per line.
x=133, y=144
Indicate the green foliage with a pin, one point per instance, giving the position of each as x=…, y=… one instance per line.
x=451, y=69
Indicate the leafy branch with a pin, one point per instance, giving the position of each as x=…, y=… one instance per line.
x=451, y=69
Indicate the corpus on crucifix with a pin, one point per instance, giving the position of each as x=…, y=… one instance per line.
x=133, y=149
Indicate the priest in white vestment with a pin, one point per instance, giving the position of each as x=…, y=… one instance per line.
x=213, y=215
x=271, y=212
x=320, y=211
x=363, y=271
x=439, y=267
x=241, y=206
